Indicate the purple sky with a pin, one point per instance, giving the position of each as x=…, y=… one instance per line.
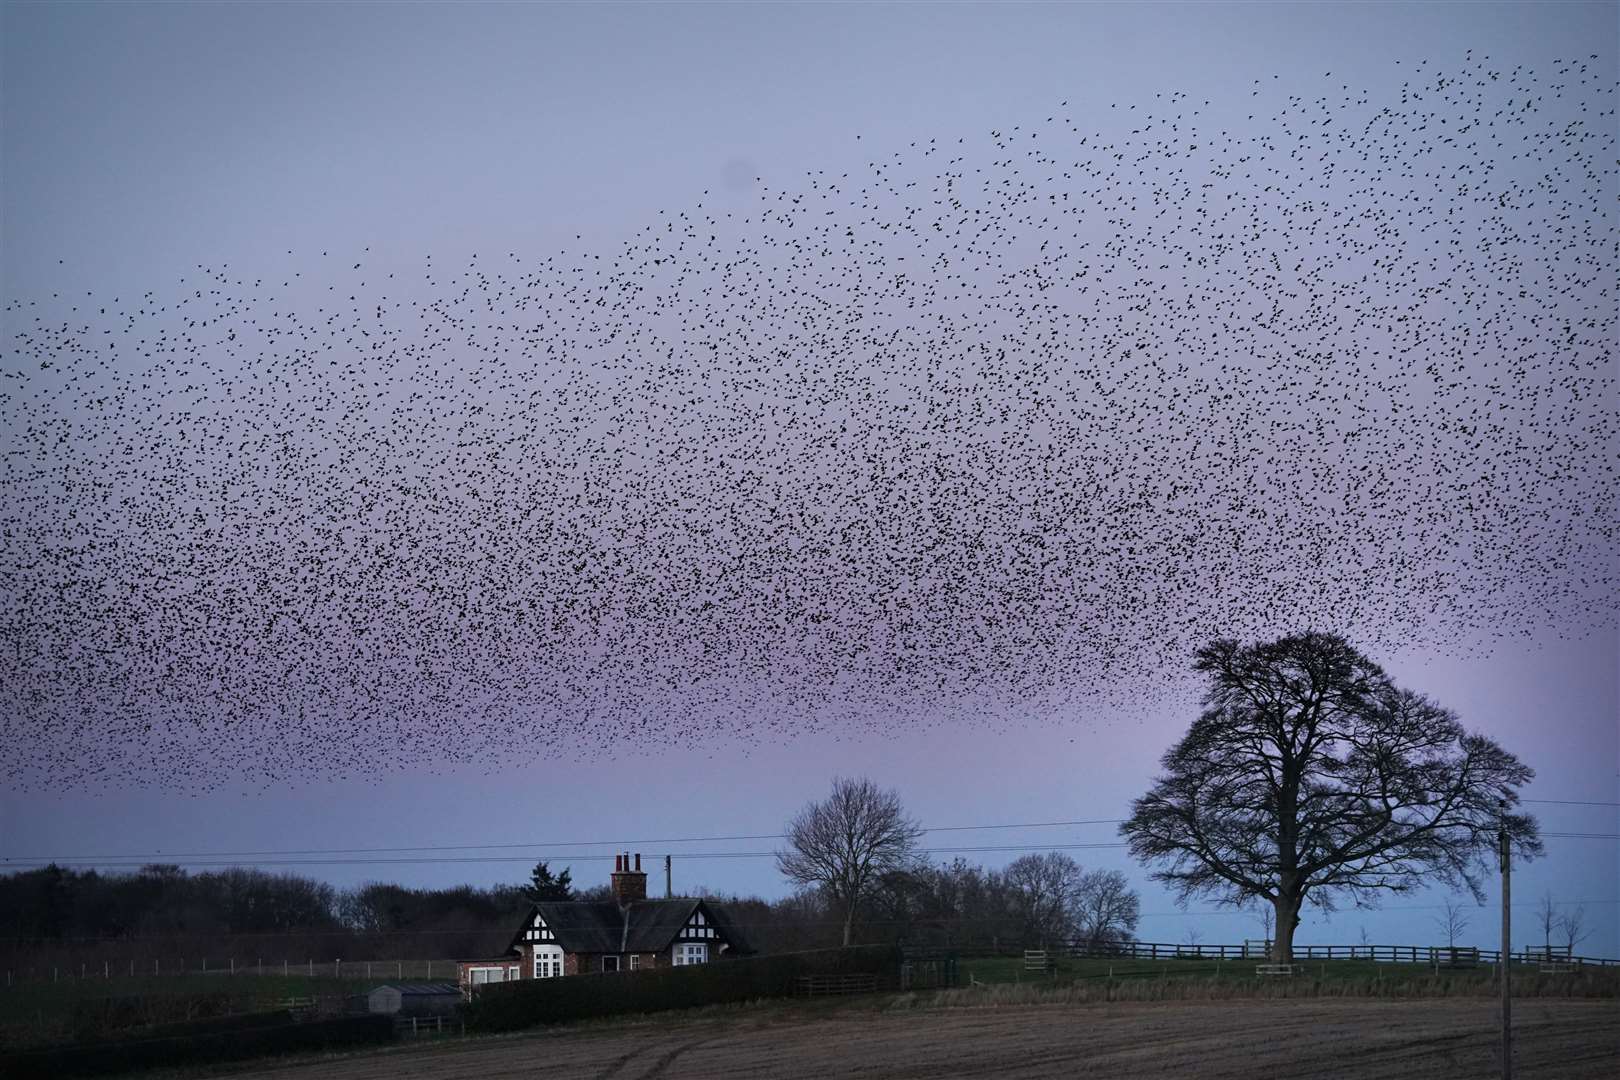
x=141, y=141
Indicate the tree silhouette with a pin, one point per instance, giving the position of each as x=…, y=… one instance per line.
x=542, y=886
x=847, y=843
x=1310, y=776
x=1452, y=921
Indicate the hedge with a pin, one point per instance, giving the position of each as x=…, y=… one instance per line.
x=527, y=1002
x=200, y=1041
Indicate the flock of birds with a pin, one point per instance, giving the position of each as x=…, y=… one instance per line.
x=995, y=431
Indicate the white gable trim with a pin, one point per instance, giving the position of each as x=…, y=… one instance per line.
x=697, y=928
x=538, y=931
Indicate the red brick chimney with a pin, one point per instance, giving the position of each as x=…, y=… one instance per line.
x=628, y=885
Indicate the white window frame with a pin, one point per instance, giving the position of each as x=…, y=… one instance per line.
x=635, y=961
x=690, y=952
x=547, y=961
x=613, y=957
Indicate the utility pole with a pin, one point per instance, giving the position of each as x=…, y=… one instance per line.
x=669, y=881
x=1507, y=944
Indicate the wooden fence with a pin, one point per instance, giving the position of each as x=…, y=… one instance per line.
x=1384, y=954
x=845, y=983
x=415, y=1027
x=431, y=970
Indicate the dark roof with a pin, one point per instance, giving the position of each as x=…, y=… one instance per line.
x=654, y=923
x=642, y=926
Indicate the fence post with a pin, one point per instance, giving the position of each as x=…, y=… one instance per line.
x=312, y=967
x=399, y=972
x=233, y=965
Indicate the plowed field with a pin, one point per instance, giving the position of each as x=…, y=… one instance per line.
x=1338, y=1038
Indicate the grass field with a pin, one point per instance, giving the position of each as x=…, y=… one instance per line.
x=1340, y=1038
x=997, y=970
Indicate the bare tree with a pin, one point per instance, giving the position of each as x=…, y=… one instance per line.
x=1452, y=921
x=1573, y=927
x=1547, y=919
x=844, y=844
x=1046, y=893
x=1193, y=936
x=1106, y=909
x=1311, y=776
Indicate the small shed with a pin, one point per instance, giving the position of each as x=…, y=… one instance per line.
x=414, y=999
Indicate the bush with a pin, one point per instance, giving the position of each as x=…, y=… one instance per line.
x=221, y=1039
x=527, y=1002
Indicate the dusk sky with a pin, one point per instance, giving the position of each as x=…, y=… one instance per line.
x=583, y=427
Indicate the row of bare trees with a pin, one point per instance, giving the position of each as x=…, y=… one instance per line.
x=1559, y=929
x=858, y=851
x=1309, y=778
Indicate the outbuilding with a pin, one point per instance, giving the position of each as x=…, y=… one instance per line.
x=414, y=999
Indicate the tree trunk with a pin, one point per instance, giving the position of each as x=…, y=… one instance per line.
x=1287, y=908
x=849, y=924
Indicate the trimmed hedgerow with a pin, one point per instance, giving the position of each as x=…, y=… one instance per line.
x=222, y=1039
x=527, y=1002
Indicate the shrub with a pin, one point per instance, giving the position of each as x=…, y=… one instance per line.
x=527, y=1002
x=200, y=1041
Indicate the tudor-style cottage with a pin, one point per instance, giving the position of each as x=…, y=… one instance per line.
x=627, y=933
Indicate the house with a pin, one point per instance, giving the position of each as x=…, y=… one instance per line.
x=626, y=933
x=414, y=999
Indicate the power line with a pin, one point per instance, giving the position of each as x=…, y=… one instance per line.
x=1571, y=802
x=447, y=860
x=278, y=853
x=592, y=857
x=498, y=847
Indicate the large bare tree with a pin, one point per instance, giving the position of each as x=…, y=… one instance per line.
x=846, y=843
x=1310, y=776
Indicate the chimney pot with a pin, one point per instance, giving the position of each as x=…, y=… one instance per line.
x=629, y=886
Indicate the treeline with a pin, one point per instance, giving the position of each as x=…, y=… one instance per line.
x=161, y=912
x=1038, y=900
x=248, y=913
